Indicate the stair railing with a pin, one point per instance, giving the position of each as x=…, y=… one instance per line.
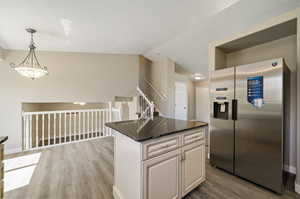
x=161, y=95
x=145, y=106
x=51, y=128
x=156, y=95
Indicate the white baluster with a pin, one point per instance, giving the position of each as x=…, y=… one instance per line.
x=110, y=114
x=96, y=124
x=79, y=125
x=106, y=119
x=48, y=130
x=70, y=127
x=84, y=128
x=30, y=131
x=75, y=125
x=43, y=130
x=88, y=123
x=60, y=127
x=54, y=128
x=65, y=126
x=36, y=130
x=100, y=121
x=25, y=132
x=92, y=116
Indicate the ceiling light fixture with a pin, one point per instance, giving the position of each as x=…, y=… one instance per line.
x=30, y=66
x=198, y=76
x=79, y=103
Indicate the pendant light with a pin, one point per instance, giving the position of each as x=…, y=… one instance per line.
x=30, y=66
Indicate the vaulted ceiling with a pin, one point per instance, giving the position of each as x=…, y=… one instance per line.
x=178, y=29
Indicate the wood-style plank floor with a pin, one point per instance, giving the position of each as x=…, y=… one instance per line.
x=84, y=170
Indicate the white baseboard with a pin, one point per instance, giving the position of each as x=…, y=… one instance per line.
x=290, y=169
x=116, y=193
x=13, y=150
x=297, y=188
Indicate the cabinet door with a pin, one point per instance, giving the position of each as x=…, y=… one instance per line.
x=161, y=176
x=193, y=166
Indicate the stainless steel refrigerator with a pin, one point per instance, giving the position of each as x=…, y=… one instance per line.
x=247, y=121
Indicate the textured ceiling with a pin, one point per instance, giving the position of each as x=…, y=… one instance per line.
x=180, y=30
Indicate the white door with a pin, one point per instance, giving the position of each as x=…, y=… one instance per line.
x=193, y=166
x=181, y=101
x=161, y=177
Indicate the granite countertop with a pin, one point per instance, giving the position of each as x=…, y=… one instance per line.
x=140, y=130
x=3, y=139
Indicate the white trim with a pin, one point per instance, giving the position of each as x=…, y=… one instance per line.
x=143, y=95
x=297, y=188
x=68, y=111
x=290, y=169
x=116, y=193
x=12, y=150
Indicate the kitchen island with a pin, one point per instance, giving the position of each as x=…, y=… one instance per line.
x=161, y=158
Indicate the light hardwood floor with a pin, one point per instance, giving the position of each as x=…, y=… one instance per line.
x=84, y=170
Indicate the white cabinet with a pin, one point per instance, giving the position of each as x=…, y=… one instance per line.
x=163, y=168
x=162, y=176
x=193, y=166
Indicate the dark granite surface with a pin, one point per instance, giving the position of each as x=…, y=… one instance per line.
x=140, y=130
x=3, y=139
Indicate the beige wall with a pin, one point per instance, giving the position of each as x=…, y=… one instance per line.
x=87, y=77
x=162, y=78
x=202, y=100
x=285, y=47
x=144, y=74
x=164, y=73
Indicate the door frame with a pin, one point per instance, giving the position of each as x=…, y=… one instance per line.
x=187, y=98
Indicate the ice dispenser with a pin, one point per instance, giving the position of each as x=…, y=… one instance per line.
x=221, y=107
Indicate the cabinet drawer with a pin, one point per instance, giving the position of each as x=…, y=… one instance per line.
x=157, y=148
x=193, y=136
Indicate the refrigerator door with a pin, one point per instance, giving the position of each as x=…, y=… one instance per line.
x=221, y=123
x=258, y=128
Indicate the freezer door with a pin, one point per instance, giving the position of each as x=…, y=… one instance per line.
x=221, y=123
x=258, y=128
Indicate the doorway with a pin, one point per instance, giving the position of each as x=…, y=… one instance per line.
x=181, y=101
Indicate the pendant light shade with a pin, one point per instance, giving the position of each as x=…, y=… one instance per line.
x=30, y=66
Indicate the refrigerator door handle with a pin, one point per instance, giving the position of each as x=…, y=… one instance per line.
x=234, y=109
